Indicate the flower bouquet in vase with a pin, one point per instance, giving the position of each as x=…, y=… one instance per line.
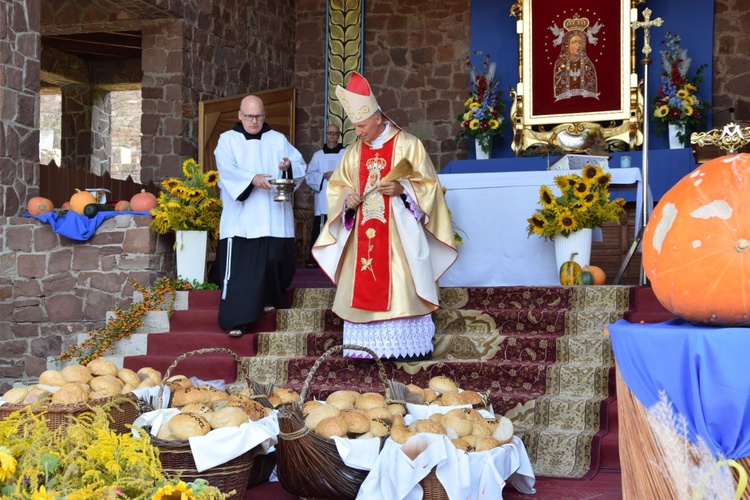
x=583, y=204
x=677, y=105
x=482, y=118
x=191, y=209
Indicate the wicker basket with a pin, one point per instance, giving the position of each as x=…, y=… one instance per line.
x=249, y=469
x=432, y=487
x=122, y=409
x=309, y=465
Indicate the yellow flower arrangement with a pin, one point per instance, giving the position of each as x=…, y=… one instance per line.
x=189, y=204
x=482, y=117
x=677, y=101
x=85, y=461
x=583, y=203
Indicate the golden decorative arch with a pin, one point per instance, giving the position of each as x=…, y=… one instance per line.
x=344, y=44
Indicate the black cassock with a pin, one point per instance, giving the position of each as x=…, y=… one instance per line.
x=261, y=271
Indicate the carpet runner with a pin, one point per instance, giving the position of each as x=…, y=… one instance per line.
x=539, y=352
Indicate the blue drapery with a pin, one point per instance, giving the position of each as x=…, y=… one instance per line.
x=76, y=226
x=701, y=369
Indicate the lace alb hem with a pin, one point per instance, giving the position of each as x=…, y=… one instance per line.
x=394, y=338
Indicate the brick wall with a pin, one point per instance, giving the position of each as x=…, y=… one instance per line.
x=53, y=288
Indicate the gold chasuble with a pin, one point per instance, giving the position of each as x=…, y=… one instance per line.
x=372, y=280
x=386, y=262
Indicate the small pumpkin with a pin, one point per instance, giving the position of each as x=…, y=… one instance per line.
x=80, y=199
x=39, y=205
x=599, y=276
x=143, y=202
x=696, y=245
x=586, y=278
x=570, y=271
x=122, y=206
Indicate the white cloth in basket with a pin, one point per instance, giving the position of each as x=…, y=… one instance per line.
x=220, y=445
x=478, y=475
x=358, y=453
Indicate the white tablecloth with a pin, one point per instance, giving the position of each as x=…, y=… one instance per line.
x=492, y=209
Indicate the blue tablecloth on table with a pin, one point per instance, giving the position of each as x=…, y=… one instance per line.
x=702, y=370
x=76, y=226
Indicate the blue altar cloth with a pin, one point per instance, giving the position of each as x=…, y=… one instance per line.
x=76, y=226
x=701, y=369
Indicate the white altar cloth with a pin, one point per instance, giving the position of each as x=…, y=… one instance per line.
x=492, y=209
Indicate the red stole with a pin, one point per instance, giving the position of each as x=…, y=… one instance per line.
x=372, y=273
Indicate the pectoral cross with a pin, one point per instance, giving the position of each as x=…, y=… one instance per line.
x=646, y=24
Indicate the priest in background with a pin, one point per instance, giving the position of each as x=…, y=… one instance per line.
x=255, y=259
x=385, y=250
x=320, y=169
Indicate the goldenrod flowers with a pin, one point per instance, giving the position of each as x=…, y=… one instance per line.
x=583, y=203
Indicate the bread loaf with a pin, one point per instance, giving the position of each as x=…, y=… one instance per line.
x=186, y=425
x=504, y=431
x=16, y=395
x=332, y=426
x=441, y=384
x=369, y=401
x=53, y=378
x=186, y=396
x=231, y=416
x=129, y=377
x=356, y=420
x=319, y=414
x=282, y=395
x=108, y=385
x=101, y=366
x=71, y=393
x=342, y=400
x=76, y=373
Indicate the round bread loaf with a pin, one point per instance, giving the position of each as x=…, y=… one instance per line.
x=451, y=399
x=400, y=434
x=283, y=395
x=441, y=383
x=129, y=377
x=309, y=406
x=342, y=400
x=176, y=381
x=148, y=372
x=381, y=413
x=254, y=410
x=481, y=428
x=70, y=393
x=471, y=398
x=319, y=414
x=53, y=378
x=189, y=395
x=17, y=395
x=101, y=366
x=196, y=408
x=332, y=426
x=429, y=396
x=35, y=395
x=370, y=400
x=356, y=420
x=461, y=444
x=396, y=409
x=187, y=425
x=230, y=416
x=379, y=427
x=109, y=385
x=76, y=373
x=459, y=425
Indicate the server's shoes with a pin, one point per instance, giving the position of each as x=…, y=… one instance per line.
x=269, y=309
x=236, y=332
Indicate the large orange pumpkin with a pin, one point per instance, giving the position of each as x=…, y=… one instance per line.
x=696, y=246
x=39, y=205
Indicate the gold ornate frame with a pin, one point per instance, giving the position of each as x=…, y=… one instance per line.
x=619, y=125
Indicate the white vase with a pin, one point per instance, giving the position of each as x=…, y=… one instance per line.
x=190, y=247
x=674, y=141
x=479, y=152
x=578, y=242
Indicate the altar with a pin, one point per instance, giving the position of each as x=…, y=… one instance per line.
x=492, y=209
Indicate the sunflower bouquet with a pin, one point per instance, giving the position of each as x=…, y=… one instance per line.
x=189, y=204
x=583, y=203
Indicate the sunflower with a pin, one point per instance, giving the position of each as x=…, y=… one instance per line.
x=546, y=196
x=590, y=171
x=581, y=189
x=567, y=221
x=212, y=178
x=7, y=464
x=474, y=124
x=662, y=111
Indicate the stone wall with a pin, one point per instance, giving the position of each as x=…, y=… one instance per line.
x=731, y=76
x=53, y=288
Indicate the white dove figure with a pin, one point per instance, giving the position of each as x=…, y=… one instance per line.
x=593, y=31
x=559, y=34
